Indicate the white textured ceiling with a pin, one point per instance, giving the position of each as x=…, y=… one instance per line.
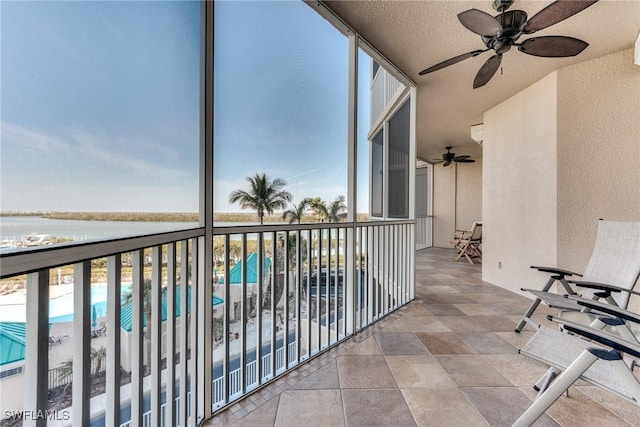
x=417, y=34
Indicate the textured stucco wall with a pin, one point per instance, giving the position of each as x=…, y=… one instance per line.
x=469, y=194
x=444, y=202
x=457, y=194
x=598, y=151
x=519, y=187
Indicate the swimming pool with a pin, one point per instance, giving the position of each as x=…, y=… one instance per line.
x=61, y=307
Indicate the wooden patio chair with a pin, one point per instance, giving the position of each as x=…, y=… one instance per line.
x=468, y=243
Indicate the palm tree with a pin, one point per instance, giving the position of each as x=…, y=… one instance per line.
x=336, y=211
x=319, y=208
x=297, y=213
x=263, y=196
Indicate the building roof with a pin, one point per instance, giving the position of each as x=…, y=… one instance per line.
x=126, y=315
x=12, y=342
x=235, y=275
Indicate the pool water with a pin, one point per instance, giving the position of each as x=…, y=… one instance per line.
x=61, y=308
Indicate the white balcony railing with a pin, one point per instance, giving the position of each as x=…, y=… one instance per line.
x=280, y=295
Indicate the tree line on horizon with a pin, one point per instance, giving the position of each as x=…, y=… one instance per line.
x=265, y=196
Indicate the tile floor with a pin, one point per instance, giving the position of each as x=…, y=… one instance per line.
x=449, y=358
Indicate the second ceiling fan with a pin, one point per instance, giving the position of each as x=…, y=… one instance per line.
x=501, y=32
x=449, y=157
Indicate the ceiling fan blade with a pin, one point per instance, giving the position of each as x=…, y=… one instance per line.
x=451, y=61
x=487, y=71
x=447, y=163
x=480, y=22
x=554, y=13
x=462, y=157
x=553, y=46
x=465, y=160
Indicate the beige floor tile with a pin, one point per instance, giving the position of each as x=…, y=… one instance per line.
x=368, y=347
x=310, y=408
x=371, y=408
x=444, y=407
x=502, y=406
x=475, y=309
x=519, y=370
x=471, y=371
x=326, y=377
x=625, y=410
x=400, y=343
x=364, y=372
x=487, y=343
x=444, y=343
x=417, y=324
x=264, y=415
x=418, y=371
x=579, y=410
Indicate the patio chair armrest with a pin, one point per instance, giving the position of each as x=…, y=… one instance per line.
x=614, y=341
x=554, y=270
x=595, y=285
x=602, y=286
x=609, y=309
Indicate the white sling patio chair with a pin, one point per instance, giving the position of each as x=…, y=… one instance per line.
x=600, y=362
x=612, y=272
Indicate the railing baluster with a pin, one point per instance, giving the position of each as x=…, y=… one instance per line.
x=308, y=291
x=243, y=317
x=154, y=332
x=170, y=404
x=227, y=315
x=272, y=297
x=260, y=276
x=37, y=346
x=193, y=323
x=81, y=392
x=114, y=277
x=137, y=351
x=184, y=328
x=285, y=337
x=318, y=292
x=298, y=301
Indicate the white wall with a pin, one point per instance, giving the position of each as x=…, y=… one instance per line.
x=519, y=186
x=457, y=199
x=573, y=144
x=598, y=151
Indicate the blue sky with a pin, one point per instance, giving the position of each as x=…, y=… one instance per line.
x=100, y=104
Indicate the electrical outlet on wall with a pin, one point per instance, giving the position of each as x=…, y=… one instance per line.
x=499, y=265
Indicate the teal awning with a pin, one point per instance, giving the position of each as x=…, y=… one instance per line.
x=12, y=342
x=126, y=314
x=235, y=275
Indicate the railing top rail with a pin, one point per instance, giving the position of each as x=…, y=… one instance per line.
x=248, y=229
x=42, y=257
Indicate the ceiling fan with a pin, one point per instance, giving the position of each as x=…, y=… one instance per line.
x=501, y=32
x=449, y=157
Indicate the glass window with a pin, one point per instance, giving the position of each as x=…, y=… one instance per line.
x=281, y=83
x=100, y=113
x=377, y=174
x=399, y=163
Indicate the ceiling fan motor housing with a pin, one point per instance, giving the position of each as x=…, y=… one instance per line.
x=512, y=23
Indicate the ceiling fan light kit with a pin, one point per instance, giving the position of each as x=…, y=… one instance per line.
x=500, y=34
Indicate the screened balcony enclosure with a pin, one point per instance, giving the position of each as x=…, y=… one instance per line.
x=169, y=328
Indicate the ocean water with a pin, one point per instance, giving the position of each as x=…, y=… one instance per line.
x=16, y=227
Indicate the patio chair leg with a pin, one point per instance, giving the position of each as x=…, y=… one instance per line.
x=534, y=305
x=557, y=387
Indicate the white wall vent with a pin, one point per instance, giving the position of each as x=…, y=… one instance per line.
x=477, y=133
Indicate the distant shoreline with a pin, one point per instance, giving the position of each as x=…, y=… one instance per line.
x=245, y=217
